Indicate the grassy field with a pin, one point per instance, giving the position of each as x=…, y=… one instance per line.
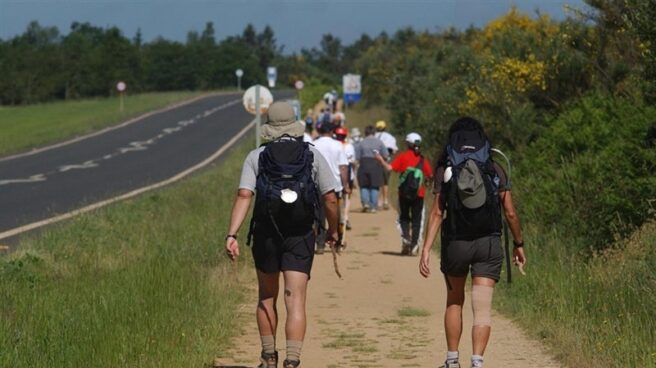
x=143, y=283
x=592, y=311
x=26, y=127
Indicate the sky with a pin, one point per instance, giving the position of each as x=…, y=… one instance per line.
x=296, y=23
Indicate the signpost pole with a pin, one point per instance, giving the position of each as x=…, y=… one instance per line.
x=238, y=83
x=121, y=99
x=258, y=116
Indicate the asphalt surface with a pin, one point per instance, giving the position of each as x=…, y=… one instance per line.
x=153, y=149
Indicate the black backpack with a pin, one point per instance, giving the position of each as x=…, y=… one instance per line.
x=285, y=165
x=411, y=180
x=462, y=222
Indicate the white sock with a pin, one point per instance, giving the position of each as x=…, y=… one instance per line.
x=477, y=361
x=452, y=356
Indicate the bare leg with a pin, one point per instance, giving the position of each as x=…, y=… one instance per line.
x=267, y=313
x=481, y=333
x=453, y=315
x=295, y=294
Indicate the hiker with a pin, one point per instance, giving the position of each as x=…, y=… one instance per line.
x=334, y=154
x=472, y=189
x=415, y=171
x=341, y=135
x=370, y=171
x=289, y=178
x=309, y=127
x=356, y=137
x=390, y=145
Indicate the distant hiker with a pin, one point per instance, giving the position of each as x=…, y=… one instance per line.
x=415, y=171
x=370, y=171
x=390, y=145
x=472, y=189
x=309, y=127
x=289, y=178
x=330, y=100
x=356, y=136
x=341, y=134
x=334, y=154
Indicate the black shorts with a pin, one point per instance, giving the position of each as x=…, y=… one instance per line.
x=483, y=256
x=273, y=254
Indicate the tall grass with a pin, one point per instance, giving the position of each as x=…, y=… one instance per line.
x=143, y=283
x=595, y=311
x=26, y=127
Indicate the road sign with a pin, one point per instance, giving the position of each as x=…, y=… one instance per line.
x=352, y=85
x=121, y=86
x=299, y=85
x=239, y=73
x=265, y=99
x=272, y=75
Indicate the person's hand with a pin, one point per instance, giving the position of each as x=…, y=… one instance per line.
x=424, y=263
x=379, y=157
x=347, y=189
x=519, y=258
x=331, y=237
x=232, y=248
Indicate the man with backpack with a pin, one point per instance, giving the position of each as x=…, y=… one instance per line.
x=415, y=170
x=472, y=189
x=290, y=179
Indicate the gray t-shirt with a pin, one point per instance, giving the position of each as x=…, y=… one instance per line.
x=321, y=173
x=368, y=148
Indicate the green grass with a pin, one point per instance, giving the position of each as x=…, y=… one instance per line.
x=592, y=311
x=27, y=127
x=413, y=312
x=142, y=283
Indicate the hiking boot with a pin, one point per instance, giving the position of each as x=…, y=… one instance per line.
x=269, y=360
x=450, y=364
x=348, y=225
x=291, y=363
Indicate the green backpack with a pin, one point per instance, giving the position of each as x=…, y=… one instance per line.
x=411, y=180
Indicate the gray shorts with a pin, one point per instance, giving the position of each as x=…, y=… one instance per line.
x=483, y=256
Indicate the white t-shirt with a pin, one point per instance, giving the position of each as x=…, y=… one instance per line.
x=388, y=140
x=333, y=152
x=307, y=137
x=349, y=150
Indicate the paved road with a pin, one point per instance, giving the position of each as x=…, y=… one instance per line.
x=153, y=149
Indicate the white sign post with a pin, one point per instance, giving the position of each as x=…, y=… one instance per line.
x=257, y=100
x=272, y=75
x=121, y=87
x=352, y=85
x=239, y=73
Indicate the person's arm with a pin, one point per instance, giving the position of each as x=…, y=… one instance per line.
x=239, y=212
x=343, y=174
x=383, y=162
x=331, y=209
x=434, y=224
x=513, y=222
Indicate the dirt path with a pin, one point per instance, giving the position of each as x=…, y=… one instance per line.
x=382, y=313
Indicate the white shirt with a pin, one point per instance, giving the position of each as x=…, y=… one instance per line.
x=307, y=137
x=333, y=152
x=388, y=140
x=349, y=150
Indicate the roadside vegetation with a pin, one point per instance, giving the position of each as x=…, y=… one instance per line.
x=27, y=127
x=142, y=283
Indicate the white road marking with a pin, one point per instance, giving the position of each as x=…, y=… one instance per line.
x=171, y=130
x=87, y=165
x=109, y=129
x=31, y=179
x=200, y=165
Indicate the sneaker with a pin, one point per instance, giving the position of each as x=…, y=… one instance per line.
x=373, y=210
x=477, y=364
x=320, y=250
x=365, y=208
x=348, y=225
x=414, y=249
x=451, y=364
x=386, y=206
x=269, y=360
x=291, y=363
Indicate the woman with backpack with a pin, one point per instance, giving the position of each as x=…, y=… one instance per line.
x=471, y=189
x=415, y=170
